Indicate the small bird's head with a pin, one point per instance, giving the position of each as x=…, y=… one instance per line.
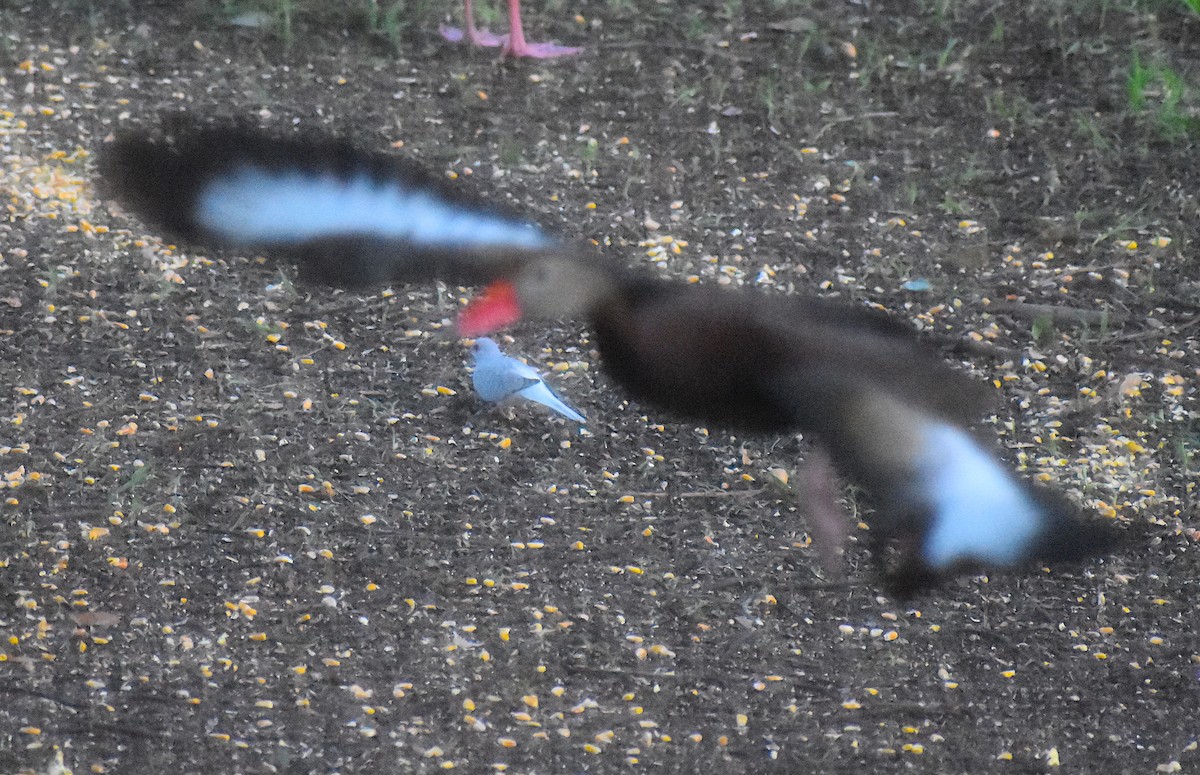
x=484, y=347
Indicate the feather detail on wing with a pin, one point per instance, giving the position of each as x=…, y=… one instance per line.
x=347, y=217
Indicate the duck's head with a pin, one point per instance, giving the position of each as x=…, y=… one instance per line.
x=547, y=287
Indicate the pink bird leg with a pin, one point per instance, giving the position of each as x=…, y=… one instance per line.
x=478, y=37
x=512, y=44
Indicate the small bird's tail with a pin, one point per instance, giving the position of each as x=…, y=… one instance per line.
x=542, y=394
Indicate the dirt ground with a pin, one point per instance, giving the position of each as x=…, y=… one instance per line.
x=251, y=525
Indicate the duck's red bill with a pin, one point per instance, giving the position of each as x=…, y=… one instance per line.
x=495, y=308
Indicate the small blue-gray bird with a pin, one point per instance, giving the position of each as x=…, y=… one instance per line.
x=498, y=378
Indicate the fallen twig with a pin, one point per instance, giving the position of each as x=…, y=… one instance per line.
x=1059, y=314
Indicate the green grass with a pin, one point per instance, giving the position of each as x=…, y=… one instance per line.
x=685, y=95
x=766, y=95
x=127, y=495
x=1157, y=90
x=696, y=27
x=1185, y=444
x=589, y=151
x=386, y=18
x=392, y=18
x=944, y=56
x=950, y=205
x=1087, y=129
x=1042, y=331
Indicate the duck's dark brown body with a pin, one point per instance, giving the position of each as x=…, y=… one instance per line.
x=759, y=363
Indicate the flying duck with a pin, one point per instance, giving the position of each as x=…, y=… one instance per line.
x=893, y=415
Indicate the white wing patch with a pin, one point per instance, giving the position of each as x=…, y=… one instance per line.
x=980, y=511
x=252, y=205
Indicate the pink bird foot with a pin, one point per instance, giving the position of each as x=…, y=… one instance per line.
x=513, y=44
x=477, y=37
x=516, y=46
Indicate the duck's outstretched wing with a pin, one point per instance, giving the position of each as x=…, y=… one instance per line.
x=347, y=217
x=944, y=500
x=895, y=418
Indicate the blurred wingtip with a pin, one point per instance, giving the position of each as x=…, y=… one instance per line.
x=145, y=176
x=1068, y=537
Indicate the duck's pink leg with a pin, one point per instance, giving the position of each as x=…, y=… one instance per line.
x=517, y=46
